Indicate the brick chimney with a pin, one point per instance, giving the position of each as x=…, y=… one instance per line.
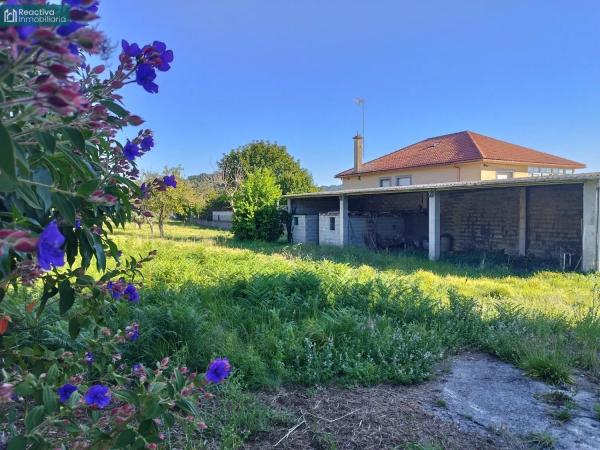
x=358, y=152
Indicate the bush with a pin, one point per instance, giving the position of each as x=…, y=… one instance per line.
x=255, y=214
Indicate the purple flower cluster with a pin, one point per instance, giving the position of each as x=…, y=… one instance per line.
x=218, y=370
x=89, y=358
x=49, y=247
x=170, y=180
x=141, y=144
x=120, y=289
x=149, y=59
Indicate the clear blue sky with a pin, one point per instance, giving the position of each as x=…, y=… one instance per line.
x=287, y=71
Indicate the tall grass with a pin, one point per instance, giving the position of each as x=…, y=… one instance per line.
x=317, y=315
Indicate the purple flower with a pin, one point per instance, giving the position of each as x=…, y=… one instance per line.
x=97, y=395
x=131, y=151
x=77, y=224
x=74, y=49
x=147, y=143
x=132, y=332
x=218, y=370
x=64, y=392
x=49, y=251
x=144, y=76
x=169, y=180
x=116, y=289
x=89, y=358
x=81, y=4
x=145, y=190
x=25, y=31
x=163, y=57
x=132, y=50
x=71, y=27
x=131, y=293
x=138, y=370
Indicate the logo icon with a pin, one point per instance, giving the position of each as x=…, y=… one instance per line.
x=10, y=15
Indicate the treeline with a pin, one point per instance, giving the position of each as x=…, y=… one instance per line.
x=249, y=180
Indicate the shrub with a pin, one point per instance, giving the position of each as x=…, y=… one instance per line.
x=255, y=214
x=66, y=183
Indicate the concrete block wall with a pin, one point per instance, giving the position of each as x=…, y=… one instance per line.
x=483, y=219
x=358, y=230
x=554, y=220
x=327, y=236
x=307, y=229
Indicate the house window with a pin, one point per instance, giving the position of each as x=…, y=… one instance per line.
x=385, y=182
x=332, y=223
x=295, y=221
x=504, y=174
x=404, y=180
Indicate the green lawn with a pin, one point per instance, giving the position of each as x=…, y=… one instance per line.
x=301, y=315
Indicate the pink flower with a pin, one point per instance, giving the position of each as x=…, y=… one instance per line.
x=6, y=392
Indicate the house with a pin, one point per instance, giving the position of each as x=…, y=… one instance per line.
x=462, y=156
x=455, y=193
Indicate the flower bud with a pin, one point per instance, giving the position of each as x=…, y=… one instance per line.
x=26, y=245
x=98, y=69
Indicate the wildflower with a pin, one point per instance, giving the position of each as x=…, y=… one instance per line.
x=131, y=293
x=6, y=392
x=90, y=40
x=77, y=224
x=117, y=357
x=89, y=358
x=158, y=55
x=169, y=180
x=98, y=395
x=131, y=151
x=202, y=426
x=49, y=251
x=69, y=28
x=115, y=289
x=138, y=369
x=132, y=332
x=132, y=50
x=145, y=190
x=147, y=143
x=65, y=391
x=165, y=362
x=144, y=76
x=218, y=370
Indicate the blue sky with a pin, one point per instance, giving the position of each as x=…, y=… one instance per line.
x=288, y=71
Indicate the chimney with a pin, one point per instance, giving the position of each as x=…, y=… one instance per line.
x=358, y=152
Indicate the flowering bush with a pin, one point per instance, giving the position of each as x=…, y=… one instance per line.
x=65, y=183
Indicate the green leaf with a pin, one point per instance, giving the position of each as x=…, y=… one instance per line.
x=8, y=166
x=100, y=256
x=49, y=399
x=26, y=193
x=115, y=108
x=152, y=408
x=88, y=187
x=47, y=140
x=65, y=207
x=125, y=438
x=67, y=296
x=75, y=137
x=148, y=428
x=74, y=327
x=34, y=417
x=128, y=397
x=17, y=443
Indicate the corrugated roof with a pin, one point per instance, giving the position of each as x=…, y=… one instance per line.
x=458, y=185
x=461, y=147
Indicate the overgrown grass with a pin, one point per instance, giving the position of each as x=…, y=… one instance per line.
x=317, y=315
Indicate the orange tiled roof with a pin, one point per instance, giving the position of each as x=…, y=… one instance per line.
x=464, y=146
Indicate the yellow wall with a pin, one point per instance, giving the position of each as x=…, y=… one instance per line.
x=427, y=175
x=440, y=174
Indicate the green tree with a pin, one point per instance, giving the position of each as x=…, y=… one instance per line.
x=289, y=175
x=164, y=204
x=255, y=212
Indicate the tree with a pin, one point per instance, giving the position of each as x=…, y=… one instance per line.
x=289, y=175
x=165, y=203
x=255, y=212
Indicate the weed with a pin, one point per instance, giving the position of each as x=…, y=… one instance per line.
x=542, y=440
x=440, y=402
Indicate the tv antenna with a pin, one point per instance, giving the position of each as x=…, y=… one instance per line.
x=360, y=102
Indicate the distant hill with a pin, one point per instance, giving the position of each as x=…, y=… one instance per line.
x=331, y=187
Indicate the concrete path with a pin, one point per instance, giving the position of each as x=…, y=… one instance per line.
x=482, y=392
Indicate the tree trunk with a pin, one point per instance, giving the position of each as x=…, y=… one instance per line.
x=139, y=224
x=161, y=228
x=151, y=229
